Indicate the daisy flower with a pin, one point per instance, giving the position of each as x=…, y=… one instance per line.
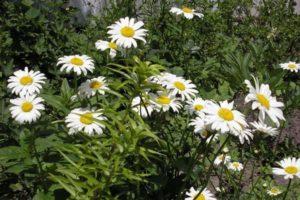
x=214, y=138
x=143, y=108
x=222, y=158
x=274, y=191
x=264, y=128
x=91, y=86
x=126, y=31
x=26, y=82
x=289, y=167
x=244, y=134
x=178, y=85
x=235, y=166
x=292, y=66
x=104, y=45
x=223, y=118
x=26, y=108
x=187, y=12
x=78, y=63
x=199, y=125
x=197, y=106
x=262, y=99
x=86, y=120
x=164, y=102
x=205, y=195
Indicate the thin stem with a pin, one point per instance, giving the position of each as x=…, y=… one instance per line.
x=287, y=189
x=212, y=164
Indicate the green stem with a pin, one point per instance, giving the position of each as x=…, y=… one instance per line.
x=287, y=189
x=212, y=164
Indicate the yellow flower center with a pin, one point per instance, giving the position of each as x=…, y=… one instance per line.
x=112, y=45
x=292, y=66
x=263, y=100
x=77, y=61
x=291, y=170
x=186, y=10
x=27, y=106
x=201, y=197
x=163, y=100
x=95, y=85
x=127, y=31
x=226, y=114
x=179, y=85
x=274, y=190
x=26, y=80
x=198, y=107
x=86, y=118
x=221, y=157
x=236, y=165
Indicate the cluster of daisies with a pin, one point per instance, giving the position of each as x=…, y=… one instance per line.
x=176, y=93
x=26, y=84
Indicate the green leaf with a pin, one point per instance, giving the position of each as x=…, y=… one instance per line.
x=55, y=101
x=11, y=152
x=41, y=195
x=27, y=2
x=32, y=13
x=65, y=89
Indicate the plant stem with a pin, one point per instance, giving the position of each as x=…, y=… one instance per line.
x=287, y=189
x=212, y=164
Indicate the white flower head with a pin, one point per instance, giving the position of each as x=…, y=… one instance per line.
x=235, y=166
x=264, y=128
x=197, y=106
x=26, y=82
x=164, y=102
x=104, y=45
x=244, y=134
x=199, y=125
x=205, y=195
x=161, y=78
x=262, y=99
x=77, y=63
x=126, y=31
x=289, y=168
x=291, y=66
x=222, y=158
x=144, y=107
x=26, y=108
x=223, y=118
x=274, y=191
x=178, y=85
x=188, y=13
x=91, y=86
x=86, y=120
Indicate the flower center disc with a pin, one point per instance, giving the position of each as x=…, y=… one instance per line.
x=292, y=66
x=186, y=9
x=201, y=197
x=263, y=100
x=291, y=170
x=127, y=31
x=226, y=114
x=163, y=100
x=236, y=165
x=112, y=45
x=274, y=190
x=27, y=106
x=198, y=107
x=26, y=80
x=179, y=85
x=86, y=118
x=95, y=85
x=77, y=61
